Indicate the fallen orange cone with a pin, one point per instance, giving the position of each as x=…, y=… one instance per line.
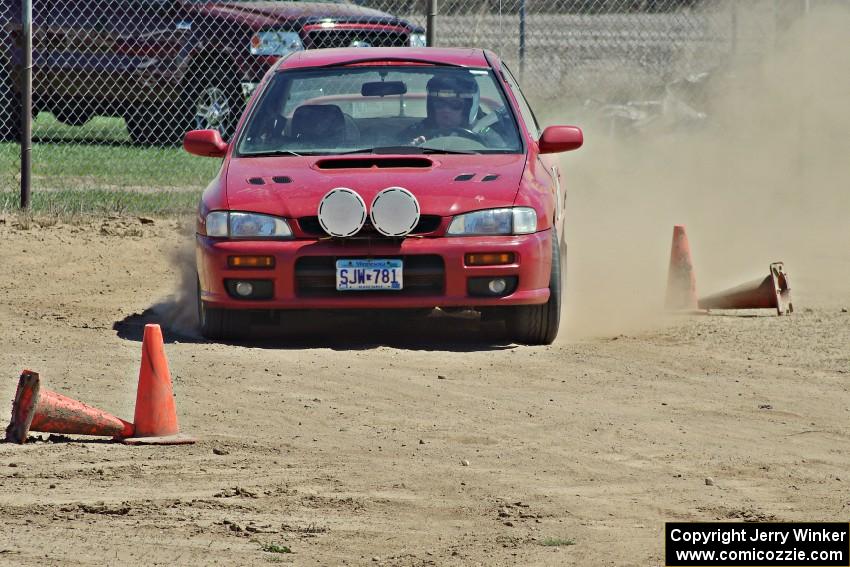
x=156, y=415
x=681, y=281
x=39, y=409
x=772, y=292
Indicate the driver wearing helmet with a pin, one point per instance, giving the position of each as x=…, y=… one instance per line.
x=452, y=107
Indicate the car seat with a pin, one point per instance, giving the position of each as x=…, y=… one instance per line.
x=323, y=125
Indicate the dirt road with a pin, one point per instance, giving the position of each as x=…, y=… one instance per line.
x=429, y=445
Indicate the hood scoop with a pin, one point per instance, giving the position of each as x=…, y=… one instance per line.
x=378, y=162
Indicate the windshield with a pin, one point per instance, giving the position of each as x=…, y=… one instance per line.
x=405, y=108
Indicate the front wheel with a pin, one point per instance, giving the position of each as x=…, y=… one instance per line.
x=215, y=323
x=538, y=324
x=215, y=100
x=211, y=99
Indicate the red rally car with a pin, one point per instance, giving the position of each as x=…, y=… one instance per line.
x=384, y=178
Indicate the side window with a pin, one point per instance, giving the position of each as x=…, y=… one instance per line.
x=524, y=109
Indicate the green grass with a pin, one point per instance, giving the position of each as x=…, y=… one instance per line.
x=274, y=548
x=71, y=202
x=99, y=129
x=556, y=542
x=100, y=155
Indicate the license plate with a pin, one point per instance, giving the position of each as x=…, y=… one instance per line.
x=353, y=275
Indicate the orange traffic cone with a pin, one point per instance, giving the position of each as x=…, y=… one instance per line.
x=681, y=281
x=40, y=409
x=772, y=292
x=156, y=415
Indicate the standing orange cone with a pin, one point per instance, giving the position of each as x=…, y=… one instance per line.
x=681, y=281
x=156, y=415
x=38, y=409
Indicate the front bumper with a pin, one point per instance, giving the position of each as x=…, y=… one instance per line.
x=531, y=267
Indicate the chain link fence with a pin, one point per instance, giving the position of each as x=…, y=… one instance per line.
x=116, y=83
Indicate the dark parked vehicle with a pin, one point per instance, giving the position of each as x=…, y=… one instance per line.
x=169, y=66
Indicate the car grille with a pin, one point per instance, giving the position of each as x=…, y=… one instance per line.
x=315, y=276
x=427, y=223
x=318, y=39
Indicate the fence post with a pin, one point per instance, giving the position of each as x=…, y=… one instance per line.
x=430, y=24
x=26, y=103
x=521, y=39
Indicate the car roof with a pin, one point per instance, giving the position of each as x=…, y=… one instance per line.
x=464, y=57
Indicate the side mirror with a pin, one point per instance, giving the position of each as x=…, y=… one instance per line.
x=560, y=139
x=205, y=143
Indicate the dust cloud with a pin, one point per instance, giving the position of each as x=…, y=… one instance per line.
x=178, y=312
x=763, y=178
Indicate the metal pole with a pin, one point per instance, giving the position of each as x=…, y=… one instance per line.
x=431, y=23
x=521, y=39
x=26, y=103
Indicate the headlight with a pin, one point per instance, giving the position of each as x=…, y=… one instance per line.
x=275, y=43
x=417, y=40
x=246, y=225
x=217, y=224
x=516, y=220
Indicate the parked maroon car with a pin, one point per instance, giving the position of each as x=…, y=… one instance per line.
x=168, y=66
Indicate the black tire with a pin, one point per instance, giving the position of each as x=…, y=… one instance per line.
x=538, y=324
x=157, y=124
x=72, y=116
x=164, y=124
x=10, y=110
x=215, y=323
x=222, y=86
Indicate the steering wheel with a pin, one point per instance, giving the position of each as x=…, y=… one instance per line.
x=450, y=133
x=463, y=133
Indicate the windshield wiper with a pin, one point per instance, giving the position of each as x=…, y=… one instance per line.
x=282, y=153
x=439, y=151
x=384, y=150
x=405, y=150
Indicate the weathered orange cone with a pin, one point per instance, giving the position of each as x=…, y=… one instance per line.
x=39, y=409
x=772, y=292
x=681, y=281
x=156, y=415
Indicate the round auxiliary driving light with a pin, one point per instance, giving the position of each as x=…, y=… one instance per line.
x=342, y=212
x=244, y=289
x=394, y=211
x=497, y=286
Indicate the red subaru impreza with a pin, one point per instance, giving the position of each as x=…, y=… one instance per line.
x=385, y=178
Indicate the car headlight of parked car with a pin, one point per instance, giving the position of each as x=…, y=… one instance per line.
x=417, y=40
x=516, y=220
x=223, y=224
x=275, y=43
